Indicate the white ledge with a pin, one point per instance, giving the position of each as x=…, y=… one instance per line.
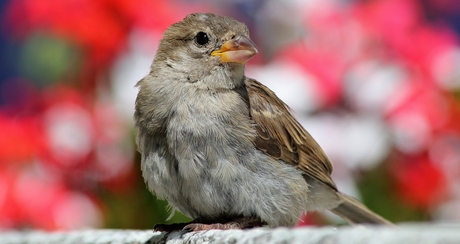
x=406, y=234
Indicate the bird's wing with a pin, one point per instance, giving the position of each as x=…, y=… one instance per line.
x=280, y=135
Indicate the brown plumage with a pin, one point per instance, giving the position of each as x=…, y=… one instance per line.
x=281, y=136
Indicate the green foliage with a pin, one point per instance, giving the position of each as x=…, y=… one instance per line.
x=380, y=195
x=47, y=59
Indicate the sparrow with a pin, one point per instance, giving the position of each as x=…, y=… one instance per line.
x=222, y=148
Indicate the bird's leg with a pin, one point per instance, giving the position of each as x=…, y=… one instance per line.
x=170, y=227
x=240, y=223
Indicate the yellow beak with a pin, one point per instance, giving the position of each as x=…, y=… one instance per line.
x=237, y=50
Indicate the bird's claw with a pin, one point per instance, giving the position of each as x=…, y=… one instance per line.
x=216, y=226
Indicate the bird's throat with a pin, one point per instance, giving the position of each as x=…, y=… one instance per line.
x=226, y=76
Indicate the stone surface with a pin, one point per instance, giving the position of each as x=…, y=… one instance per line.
x=406, y=234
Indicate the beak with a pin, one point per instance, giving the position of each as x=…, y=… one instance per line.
x=237, y=50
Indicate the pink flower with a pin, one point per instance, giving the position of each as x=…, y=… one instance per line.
x=44, y=202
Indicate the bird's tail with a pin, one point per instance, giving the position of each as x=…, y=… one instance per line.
x=355, y=212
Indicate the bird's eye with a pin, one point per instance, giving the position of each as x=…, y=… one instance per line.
x=201, y=38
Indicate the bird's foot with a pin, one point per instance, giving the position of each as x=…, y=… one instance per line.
x=170, y=227
x=241, y=223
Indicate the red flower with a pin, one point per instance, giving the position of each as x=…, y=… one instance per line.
x=311, y=219
x=100, y=27
x=21, y=139
x=65, y=146
x=9, y=211
x=419, y=182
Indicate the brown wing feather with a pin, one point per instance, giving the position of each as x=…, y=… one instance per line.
x=280, y=135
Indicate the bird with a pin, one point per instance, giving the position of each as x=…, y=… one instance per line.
x=222, y=148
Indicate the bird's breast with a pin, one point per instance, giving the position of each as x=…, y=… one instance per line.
x=206, y=165
x=209, y=131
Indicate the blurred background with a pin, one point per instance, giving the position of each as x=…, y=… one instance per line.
x=376, y=82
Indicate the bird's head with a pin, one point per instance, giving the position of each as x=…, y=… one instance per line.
x=206, y=47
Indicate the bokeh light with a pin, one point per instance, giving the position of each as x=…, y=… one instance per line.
x=376, y=82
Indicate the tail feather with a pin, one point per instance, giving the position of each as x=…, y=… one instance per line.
x=355, y=212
